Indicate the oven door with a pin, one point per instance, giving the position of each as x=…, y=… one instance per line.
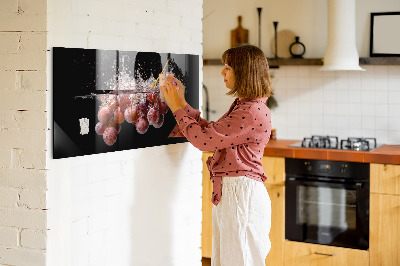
x=327, y=213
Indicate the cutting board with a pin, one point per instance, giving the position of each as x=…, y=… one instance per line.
x=239, y=35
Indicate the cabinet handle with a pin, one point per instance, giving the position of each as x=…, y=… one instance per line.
x=324, y=254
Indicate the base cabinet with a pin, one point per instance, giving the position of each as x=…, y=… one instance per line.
x=385, y=230
x=304, y=254
x=384, y=237
x=277, y=233
x=206, y=232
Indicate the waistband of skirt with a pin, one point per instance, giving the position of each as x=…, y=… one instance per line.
x=236, y=179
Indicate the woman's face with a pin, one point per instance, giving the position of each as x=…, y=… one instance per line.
x=229, y=76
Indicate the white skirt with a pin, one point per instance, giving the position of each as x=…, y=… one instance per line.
x=241, y=223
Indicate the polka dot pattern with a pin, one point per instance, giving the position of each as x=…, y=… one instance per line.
x=238, y=139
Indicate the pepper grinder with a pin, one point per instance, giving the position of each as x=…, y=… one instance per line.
x=276, y=38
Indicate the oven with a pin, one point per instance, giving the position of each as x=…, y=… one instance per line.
x=327, y=202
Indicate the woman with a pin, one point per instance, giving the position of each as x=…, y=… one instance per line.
x=242, y=208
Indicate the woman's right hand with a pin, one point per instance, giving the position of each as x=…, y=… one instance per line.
x=180, y=89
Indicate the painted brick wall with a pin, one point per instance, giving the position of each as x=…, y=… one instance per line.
x=23, y=128
x=137, y=207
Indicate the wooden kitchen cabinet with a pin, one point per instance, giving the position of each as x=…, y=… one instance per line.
x=384, y=237
x=206, y=225
x=305, y=254
x=274, y=168
x=385, y=178
x=277, y=233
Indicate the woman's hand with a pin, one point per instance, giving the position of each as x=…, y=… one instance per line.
x=174, y=94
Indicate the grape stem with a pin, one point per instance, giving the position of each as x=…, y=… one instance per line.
x=155, y=83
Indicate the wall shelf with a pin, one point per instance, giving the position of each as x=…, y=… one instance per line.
x=380, y=61
x=273, y=63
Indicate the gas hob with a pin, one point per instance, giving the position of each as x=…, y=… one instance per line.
x=332, y=142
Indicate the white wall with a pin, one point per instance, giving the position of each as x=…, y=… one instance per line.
x=311, y=102
x=136, y=207
x=22, y=132
x=304, y=18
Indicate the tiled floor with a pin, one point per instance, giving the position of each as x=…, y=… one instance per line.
x=206, y=261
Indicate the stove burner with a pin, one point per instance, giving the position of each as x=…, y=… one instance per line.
x=328, y=142
x=358, y=144
x=332, y=142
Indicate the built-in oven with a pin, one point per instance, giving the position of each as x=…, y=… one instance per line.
x=327, y=202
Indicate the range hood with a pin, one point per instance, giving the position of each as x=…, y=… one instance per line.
x=341, y=51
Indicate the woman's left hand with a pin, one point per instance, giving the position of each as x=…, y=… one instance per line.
x=172, y=98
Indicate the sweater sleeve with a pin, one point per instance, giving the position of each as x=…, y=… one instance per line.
x=229, y=131
x=193, y=113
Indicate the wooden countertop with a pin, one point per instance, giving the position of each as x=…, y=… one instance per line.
x=389, y=154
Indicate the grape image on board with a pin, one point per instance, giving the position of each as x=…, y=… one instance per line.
x=119, y=93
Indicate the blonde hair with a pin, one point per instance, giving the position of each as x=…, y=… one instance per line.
x=250, y=66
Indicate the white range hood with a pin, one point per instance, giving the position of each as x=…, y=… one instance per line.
x=341, y=51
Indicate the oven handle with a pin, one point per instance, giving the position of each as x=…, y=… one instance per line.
x=357, y=185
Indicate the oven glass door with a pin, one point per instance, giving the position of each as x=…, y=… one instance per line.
x=326, y=213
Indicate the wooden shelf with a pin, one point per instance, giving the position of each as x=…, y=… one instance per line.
x=273, y=63
x=380, y=61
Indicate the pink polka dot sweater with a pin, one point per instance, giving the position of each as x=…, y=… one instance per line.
x=238, y=139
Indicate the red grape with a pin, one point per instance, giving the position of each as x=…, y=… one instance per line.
x=123, y=101
x=153, y=115
x=163, y=108
x=131, y=115
x=142, y=108
x=160, y=122
x=112, y=102
x=118, y=115
x=110, y=136
x=104, y=114
x=142, y=125
x=152, y=98
x=100, y=127
x=117, y=126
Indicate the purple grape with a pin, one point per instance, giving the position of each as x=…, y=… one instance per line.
x=159, y=122
x=131, y=115
x=153, y=115
x=142, y=108
x=142, y=125
x=163, y=108
x=123, y=101
x=118, y=115
x=100, y=127
x=105, y=114
x=110, y=136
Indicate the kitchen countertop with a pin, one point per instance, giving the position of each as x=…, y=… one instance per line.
x=389, y=154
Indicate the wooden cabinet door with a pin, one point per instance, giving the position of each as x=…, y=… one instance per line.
x=274, y=168
x=305, y=254
x=385, y=178
x=277, y=233
x=384, y=236
x=206, y=226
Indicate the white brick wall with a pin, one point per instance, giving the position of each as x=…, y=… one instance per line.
x=136, y=207
x=100, y=207
x=22, y=132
